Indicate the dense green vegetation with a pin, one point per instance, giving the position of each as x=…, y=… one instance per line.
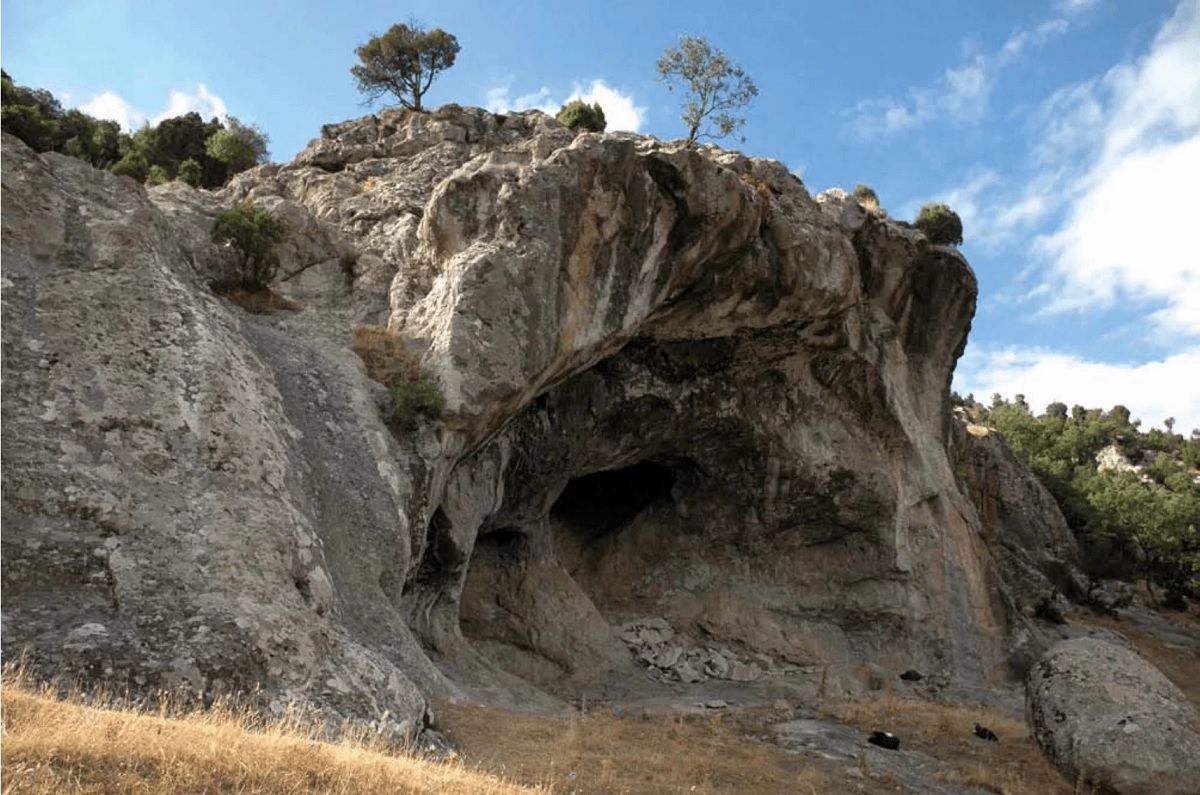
x=187, y=148
x=578, y=115
x=253, y=233
x=940, y=224
x=1129, y=524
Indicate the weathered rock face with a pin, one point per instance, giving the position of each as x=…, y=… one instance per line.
x=1028, y=535
x=677, y=387
x=189, y=499
x=1109, y=719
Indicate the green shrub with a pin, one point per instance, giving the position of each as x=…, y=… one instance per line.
x=866, y=194
x=239, y=146
x=252, y=232
x=157, y=176
x=132, y=165
x=940, y=224
x=419, y=396
x=190, y=173
x=578, y=115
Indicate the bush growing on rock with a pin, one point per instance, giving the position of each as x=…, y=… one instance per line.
x=390, y=361
x=866, y=196
x=419, y=396
x=940, y=224
x=189, y=173
x=253, y=233
x=157, y=176
x=578, y=115
x=385, y=354
x=132, y=165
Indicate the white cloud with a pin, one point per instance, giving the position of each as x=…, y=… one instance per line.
x=203, y=101
x=500, y=100
x=110, y=105
x=1152, y=391
x=1128, y=234
x=962, y=93
x=620, y=110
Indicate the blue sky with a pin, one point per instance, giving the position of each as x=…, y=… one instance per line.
x=1065, y=132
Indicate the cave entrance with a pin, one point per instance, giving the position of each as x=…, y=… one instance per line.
x=595, y=505
x=540, y=598
x=595, y=513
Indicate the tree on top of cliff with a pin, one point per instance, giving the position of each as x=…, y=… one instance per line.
x=714, y=87
x=403, y=62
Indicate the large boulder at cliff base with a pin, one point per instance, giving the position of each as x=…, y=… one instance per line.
x=1109, y=719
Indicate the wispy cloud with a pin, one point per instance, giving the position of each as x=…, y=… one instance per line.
x=620, y=109
x=961, y=94
x=111, y=105
x=1128, y=235
x=1153, y=391
x=992, y=212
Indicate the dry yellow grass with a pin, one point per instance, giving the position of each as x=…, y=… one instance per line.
x=258, y=302
x=386, y=355
x=602, y=754
x=63, y=747
x=1012, y=766
x=55, y=746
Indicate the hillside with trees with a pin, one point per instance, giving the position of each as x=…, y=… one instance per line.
x=202, y=154
x=1131, y=496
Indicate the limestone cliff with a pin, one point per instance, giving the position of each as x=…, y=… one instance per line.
x=681, y=393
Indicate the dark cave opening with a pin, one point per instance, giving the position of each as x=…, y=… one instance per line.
x=506, y=543
x=598, y=504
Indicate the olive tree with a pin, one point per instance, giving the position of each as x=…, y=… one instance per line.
x=403, y=62
x=714, y=87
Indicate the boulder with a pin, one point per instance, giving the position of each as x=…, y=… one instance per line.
x=1110, y=595
x=1108, y=718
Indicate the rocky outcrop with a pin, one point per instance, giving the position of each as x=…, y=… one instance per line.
x=1027, y=533
x=1035, y=545
x=676, y=385
x=190, y=499
x=1110, y=720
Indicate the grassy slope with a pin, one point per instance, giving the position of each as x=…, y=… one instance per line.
x=52, y=746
